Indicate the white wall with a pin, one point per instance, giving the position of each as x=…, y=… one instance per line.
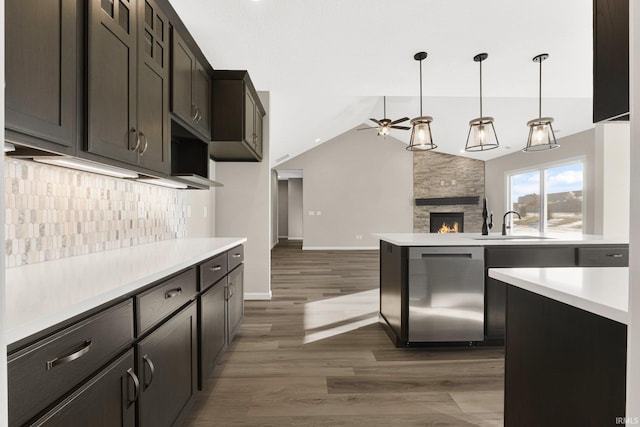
x=361, y=183
x=633, y=331
x=572, y=146
x=294, y=209
x=243, y=209
x=283, y=208
x=615, y=144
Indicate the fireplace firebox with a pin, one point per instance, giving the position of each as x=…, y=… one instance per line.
x=446, y=222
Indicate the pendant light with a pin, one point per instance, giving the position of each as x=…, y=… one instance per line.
x=421, y=139
x=482, y=135
x=541, y=136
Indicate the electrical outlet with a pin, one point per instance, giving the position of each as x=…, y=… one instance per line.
x=312, y=213
x=204, y=212
x=453, y=182
x=358, y=236
x=318, y=213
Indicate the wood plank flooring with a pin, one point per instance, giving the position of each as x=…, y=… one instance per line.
x=315, y=355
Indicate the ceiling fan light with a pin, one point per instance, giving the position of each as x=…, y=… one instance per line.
x=384, y=130
x=541, y=135
x=482, y=135
x=421, y=138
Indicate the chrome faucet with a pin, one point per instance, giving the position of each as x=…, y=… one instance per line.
x=504, y=221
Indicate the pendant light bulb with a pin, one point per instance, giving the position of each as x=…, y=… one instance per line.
x=482, y=135
x=541, y=135
x=421, y=138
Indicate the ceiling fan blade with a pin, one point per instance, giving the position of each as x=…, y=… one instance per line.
x=367, y=128
x=376, y=121
x=400, y=127
x=404, y=119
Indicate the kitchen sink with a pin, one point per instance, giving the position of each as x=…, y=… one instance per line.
x=512, y=237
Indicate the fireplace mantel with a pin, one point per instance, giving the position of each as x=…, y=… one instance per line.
x=447, y=201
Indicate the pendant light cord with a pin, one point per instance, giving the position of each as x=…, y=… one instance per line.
x=540, y=92
x=421, y=88
x=480, y=88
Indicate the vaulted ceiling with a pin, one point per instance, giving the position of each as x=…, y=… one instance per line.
x=327, y=64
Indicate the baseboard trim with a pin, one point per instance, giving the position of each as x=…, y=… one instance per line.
x=257, y=296
x=294, y=238
x=340, y=248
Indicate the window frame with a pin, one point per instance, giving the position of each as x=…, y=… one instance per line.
x=541, y=169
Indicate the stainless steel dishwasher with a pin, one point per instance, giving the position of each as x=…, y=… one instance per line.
x=446, y=294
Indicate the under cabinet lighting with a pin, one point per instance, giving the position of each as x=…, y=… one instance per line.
x=87, y=166
x=163, y=183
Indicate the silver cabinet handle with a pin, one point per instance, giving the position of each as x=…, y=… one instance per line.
x=615, y=255
x=198, y=114
x=232, y=290
x=81, y=351
x=216, y=268
x=146, y=143
x=172, y=293
x=134, y=132
x=136, y=387
x=194, y=109
x=152, y=370
x=235, y=256
x=227, y=293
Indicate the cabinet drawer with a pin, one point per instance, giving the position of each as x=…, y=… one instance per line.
x=162, y=300
x=612, y=256
x=44, y=371
x=213, y=270
x=544, y=256
x=236, y=256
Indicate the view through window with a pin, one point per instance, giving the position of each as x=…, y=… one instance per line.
x=549, y=199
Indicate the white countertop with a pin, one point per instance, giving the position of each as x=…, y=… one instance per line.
x=600, y=290
x=493, y=239
x=39, y=296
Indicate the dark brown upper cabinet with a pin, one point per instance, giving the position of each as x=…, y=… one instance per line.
x=128, y=83
x=610, y=60
x=237, y=118
x=42, y=73
x=191, y=89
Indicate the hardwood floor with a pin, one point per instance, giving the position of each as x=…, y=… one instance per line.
x=315, y=355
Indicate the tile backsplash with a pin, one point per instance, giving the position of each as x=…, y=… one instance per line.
x=53, y=213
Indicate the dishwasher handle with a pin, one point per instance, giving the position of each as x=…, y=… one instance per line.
x=466, y=256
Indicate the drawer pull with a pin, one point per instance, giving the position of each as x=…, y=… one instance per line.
x=615, y=255
x=84, y=349
x=152, y=370
x=172, y=293
x=216, y=268
x=136, y=387
x=236, y=255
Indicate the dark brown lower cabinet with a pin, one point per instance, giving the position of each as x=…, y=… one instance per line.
x=167, y=368
x=107, y=400
x=235, y=301
x=563, y=366
x=213, y=338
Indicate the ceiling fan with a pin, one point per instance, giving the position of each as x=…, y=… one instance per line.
x=385, y=125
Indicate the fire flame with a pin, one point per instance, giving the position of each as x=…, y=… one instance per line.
x=446, y=229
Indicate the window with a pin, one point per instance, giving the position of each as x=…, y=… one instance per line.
x=549, y=199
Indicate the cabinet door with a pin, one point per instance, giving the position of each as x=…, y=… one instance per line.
x=183, y=66
x=235, y=295
x=42, y=71
x=111, y=77
x=107, y=400
x=202, y=100
x=249, y=119
x=167, y=367
x=153, y=87
x=258, y=132
x=212, y=328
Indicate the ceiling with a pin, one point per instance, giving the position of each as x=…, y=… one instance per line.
x=327, y=64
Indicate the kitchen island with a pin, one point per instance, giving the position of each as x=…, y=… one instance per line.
x=566, y=342
x=539, y=250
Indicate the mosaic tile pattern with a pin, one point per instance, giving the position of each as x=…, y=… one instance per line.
x=53, y=213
